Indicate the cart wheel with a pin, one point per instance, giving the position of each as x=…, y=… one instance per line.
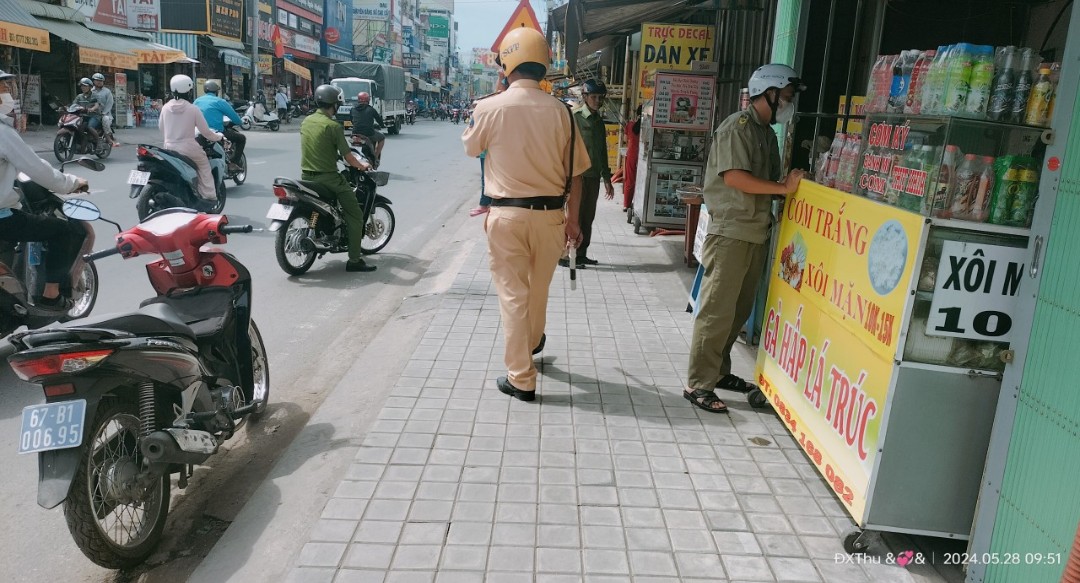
x=853, y=541
x=757, y=399
x=637, y=226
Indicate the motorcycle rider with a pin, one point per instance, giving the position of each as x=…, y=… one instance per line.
x=179, y=120
x=105, y=99
x=364, y=121
x=322, y=140
x=215, y=110
x=64, y=237
x=87, y=99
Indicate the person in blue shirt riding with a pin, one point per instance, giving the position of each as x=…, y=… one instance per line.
x=215, y=110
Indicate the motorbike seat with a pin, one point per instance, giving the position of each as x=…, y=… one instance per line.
x=312, y=188
x=150, y=320
x=180, y=156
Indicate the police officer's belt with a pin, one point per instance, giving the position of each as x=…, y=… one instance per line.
x=536, y=203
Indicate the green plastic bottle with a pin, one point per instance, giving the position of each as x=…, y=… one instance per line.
x=982, y=80
x=959, y=68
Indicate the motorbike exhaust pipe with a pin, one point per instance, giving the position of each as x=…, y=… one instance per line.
x=163, y=447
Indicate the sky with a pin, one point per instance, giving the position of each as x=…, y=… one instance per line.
x=481, y=21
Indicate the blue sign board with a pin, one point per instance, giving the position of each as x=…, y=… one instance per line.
x=337, y=41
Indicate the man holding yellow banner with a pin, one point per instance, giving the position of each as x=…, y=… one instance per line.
x=742, y=174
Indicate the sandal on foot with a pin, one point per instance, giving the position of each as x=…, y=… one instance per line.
x=704, y=399
x=733, y=383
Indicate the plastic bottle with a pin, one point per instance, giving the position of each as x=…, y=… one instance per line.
x=980, y=210
x=834, y=159
x=841, y=180
x=945, y=182
x=1038, y=105
x=918, y=80
x=982, y=80
x=967, y=186
x=958, y=85
x=933, y=95
x=917, y=159
x=1001, y=93
x=872, y=85
x=852, y=167
x=1023, y=87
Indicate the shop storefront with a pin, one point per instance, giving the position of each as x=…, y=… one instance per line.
x=904, y=341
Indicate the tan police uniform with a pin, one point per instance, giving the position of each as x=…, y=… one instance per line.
x=526, y=133
x=733, y=255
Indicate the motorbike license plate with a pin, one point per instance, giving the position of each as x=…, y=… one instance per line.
x=279, y=212
x=348, y=124
x=138, y=177
x=52, y=426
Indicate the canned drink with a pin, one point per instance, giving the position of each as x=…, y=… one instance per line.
x=1022, y=205
x=1006, y=182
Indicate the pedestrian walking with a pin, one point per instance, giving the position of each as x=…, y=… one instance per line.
x=535, y=157
x=741, y=176
x=591, y=123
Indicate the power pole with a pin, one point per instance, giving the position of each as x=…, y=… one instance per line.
x=253, y=6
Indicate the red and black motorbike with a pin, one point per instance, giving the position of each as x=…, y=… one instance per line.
x=76, y=137
x=132, y=398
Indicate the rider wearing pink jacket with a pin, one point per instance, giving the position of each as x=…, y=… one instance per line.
x=179, y=120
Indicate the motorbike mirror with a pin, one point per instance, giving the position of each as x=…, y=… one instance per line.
x=81, y=209
x=90, y=163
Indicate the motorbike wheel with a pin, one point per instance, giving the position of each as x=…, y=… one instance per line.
x=379, y=229
x=245, y=124
x=115, y=520
x=295, y=253
x=64, y=147
x=274, y=126
x=105, y=149
x=260, y=372
x=84, y=302
x=220, y=205
x=241, y=176
x=152, y=199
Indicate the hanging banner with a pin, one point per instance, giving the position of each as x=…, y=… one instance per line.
x=99, y=58
x=24, y=37
x=683, y=102
x=297, y=69
x=837, y=290
x=670, y=47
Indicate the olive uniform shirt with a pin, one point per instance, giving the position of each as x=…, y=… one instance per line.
x=741, y=142
x=322, y=141
x=594, y=133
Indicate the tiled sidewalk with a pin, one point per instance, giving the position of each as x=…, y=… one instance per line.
x=610, y=475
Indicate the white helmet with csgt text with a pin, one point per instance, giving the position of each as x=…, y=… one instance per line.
x=773, y=76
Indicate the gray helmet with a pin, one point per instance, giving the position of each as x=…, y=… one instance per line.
x=85, y=81
x=328, y=95
x=98, y=77
x=593, y=87
x=211, y=87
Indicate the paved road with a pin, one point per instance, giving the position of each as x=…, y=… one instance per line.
x=313, y=325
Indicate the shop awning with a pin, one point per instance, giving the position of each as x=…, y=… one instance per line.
x=142, y=45
x=94, y=49
x=189, y=43
x=225, y=43
x=234, y=58
x=297, y=69
x=18, y=28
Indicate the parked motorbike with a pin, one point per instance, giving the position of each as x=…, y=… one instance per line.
x=258, y=116
x=167, y=179
x=132, y=398
x=22, y=267
x=309, y=222
x=75, y=136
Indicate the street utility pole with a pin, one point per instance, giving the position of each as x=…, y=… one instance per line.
x=253, y=7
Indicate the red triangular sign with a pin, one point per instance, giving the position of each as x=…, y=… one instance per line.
x=523, y=16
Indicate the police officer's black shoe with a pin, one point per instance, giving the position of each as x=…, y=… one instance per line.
x=360, y=266
x=565, y=262
x=588, y=261
x=505, y=387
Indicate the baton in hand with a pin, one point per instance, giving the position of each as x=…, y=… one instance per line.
x=573, y=267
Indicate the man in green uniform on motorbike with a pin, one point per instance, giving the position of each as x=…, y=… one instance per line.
x=322, y=141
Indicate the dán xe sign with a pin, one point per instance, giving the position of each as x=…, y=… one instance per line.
x=670, y=47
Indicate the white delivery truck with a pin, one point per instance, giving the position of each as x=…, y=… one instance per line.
x=385, y=83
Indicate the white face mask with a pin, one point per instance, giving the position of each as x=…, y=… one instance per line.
x=7, y=107
x=786, y=112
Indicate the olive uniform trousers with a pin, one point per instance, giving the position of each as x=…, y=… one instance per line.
x=354, y=215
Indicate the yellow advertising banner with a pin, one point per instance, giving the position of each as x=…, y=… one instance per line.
x=297, y=69
x=670, y=47
x=24, y=37
x=837, y=291
x=159, y=56
x=858, y=104
x=266, y=65
x=101, y=58
x=612, y=136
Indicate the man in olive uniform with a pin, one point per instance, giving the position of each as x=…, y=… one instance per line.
x=532, y=173
x=591, y=123
x=322, y=140
x=741, y=177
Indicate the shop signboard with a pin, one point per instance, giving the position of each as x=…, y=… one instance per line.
x=99, y=58
x=671, y=47
x=976, y=291
x=683, y=102
x=854, y=126
x=315, y=7
x=24, y=37
x=266, y=28
x=124, y=115
x=266, y=65
x=301, y=42
x=438, y=26
x=371, y=9
x=225, y=18
x=411, y=60
x=134, y=14
x=30, y=97
x=297, y=69
x=838, y=286
x=337, y=34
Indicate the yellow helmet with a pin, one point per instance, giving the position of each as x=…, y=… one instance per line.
x=523, y=45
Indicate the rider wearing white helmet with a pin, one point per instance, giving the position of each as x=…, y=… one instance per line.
x=742, y=175
x=179, y=121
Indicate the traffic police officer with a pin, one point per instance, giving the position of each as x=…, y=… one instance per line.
x=532, y=170
x=741, y=176
x=322, y=141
